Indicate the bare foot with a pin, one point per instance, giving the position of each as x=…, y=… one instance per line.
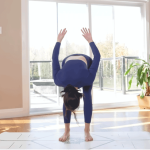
x=64, y=137
x=88, y=137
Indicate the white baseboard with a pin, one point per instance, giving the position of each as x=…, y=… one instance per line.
x=11, y=113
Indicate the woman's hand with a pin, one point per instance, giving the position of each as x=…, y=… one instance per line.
x=87, y=35
x=61, y=35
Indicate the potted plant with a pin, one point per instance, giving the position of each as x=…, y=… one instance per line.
x=143, y=79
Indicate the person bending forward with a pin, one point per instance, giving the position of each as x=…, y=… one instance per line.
x=78, y=70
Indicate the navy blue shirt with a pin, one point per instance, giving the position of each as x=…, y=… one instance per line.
x=75, y=72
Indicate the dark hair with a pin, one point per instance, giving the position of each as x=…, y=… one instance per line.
x=71, y=99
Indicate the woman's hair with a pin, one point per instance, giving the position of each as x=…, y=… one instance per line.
x=71, y=98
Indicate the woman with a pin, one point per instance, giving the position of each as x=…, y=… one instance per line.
x=78, y=70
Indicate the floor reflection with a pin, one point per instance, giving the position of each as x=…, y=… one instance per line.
x=111, y=120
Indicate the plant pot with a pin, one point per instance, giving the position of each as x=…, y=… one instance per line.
x=144, y=103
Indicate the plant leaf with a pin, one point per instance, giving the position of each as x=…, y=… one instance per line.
x=148, y=72
x=139, y=72
x=130, y=82
x=144, y=69
x=140, y=59
x=145, y=77
x=149, y=80
x=137, y=83
x=127, y=71
x=143, y=86
x=137, y=64
x=141, y=79
x=146, y=63
x=142, y=95
x=131, y=64
x=143, y=61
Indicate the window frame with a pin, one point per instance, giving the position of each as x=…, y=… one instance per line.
x=144, y=4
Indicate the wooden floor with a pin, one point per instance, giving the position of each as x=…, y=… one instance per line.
x=130, y=119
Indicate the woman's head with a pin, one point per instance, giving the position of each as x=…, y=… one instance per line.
x=71, y=98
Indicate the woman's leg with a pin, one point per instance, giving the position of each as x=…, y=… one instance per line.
x=87, y=111
x=67, y=124
x=68, y=116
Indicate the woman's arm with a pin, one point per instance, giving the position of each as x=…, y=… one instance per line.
x=55, y=61
x=87, y=103
x=95, y=63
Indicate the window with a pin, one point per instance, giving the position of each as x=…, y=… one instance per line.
x=117, y=31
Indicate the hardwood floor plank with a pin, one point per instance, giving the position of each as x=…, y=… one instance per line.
x=109, y=120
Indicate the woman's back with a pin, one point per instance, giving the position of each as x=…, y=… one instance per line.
x=75, y=72
x=77, y=57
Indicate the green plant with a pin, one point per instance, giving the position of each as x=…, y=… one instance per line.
x=143, y=77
